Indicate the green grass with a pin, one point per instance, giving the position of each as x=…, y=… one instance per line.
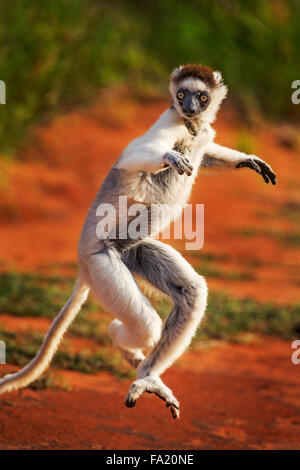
x=86, y=327
x=244, y=143
x=226, y=317
x=288, y=210
x=18, y=291
x=29, y=294
x=37, y=295
x=56, y=55
x=49, y=381
x=290, y=239
x=209, y=256
x=20, y=349
x=210, y=270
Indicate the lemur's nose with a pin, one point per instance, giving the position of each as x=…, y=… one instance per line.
x=188, y=108
x=190, y=105
x=189, y=111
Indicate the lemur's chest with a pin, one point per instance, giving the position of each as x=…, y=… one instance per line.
x=167, y=186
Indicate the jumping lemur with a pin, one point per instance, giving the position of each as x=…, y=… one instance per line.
x=159, y=167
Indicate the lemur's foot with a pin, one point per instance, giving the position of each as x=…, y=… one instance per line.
x=152, y=385
x=134, y=358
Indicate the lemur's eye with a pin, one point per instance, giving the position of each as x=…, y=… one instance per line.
x=180, y=95
x=203, y=98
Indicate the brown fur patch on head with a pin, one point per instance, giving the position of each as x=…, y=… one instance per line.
x=202, y=72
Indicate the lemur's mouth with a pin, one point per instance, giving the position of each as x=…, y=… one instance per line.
x=191, y=114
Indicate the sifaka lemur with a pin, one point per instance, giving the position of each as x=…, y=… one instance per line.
x=159, y=167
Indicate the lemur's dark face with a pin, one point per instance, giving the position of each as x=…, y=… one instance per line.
x=192, y=102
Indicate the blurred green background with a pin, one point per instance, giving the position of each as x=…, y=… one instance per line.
x=56, y=54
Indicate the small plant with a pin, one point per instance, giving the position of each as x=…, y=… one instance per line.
x=244, y=143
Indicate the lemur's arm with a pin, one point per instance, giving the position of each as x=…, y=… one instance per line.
x=217, y=156
x=153, y=152
x=153, y=158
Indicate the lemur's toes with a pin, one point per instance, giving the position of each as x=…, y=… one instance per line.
x=156, y=386
x=173, y=405
x=165, y=394
x=130, y=402
x=135, y=391
x=174, y=410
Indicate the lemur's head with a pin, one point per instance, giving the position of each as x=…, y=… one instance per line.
x=197, y=89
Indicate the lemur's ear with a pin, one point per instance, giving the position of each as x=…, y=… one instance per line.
x=175, y=73
x=218, y=77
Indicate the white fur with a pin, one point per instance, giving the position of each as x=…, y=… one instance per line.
x=146, y=152
x=138, y=324
x=226, y=154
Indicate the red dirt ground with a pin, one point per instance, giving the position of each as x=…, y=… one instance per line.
x=232, y=396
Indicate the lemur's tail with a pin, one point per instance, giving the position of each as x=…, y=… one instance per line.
x=51, y=341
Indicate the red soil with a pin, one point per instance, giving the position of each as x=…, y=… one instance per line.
x=232, y=396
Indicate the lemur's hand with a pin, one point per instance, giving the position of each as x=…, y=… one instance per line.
x=178, y=162
x=261, y=167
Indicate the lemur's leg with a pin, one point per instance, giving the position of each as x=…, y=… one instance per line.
x=171, y=273
x=137, y=325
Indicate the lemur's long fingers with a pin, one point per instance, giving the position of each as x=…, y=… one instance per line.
x=179, y=170
x=188, y=166
x=185, y=166
x=264, y=176
x=267, y=171
x=260, y=167
x=178, y=166
x=178, y=162
x=250, y=164
x=182, y=166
